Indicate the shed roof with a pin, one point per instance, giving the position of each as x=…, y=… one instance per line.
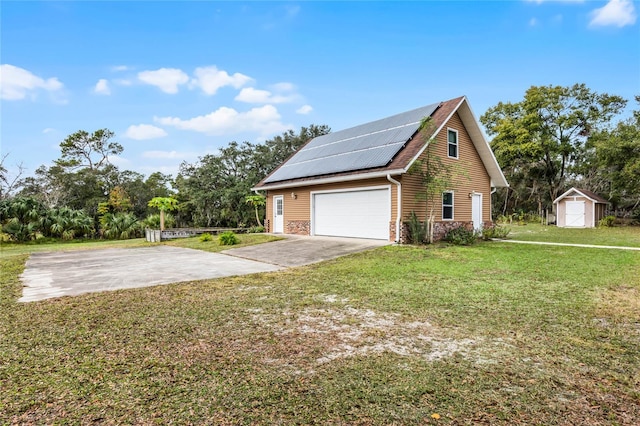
x=585, y=193
x=378, y=148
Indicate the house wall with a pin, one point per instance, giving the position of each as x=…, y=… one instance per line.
x=297, y=211
x=468, y=175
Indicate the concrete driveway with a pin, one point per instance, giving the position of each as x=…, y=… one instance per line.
x=298, y=250
x=56, y=274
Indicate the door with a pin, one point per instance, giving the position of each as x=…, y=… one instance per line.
x=574, y=216
x=353, y=213
x=476, y=211
x=278, y=214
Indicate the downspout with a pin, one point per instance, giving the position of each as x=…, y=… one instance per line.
x=399, y=212
x=493, y=191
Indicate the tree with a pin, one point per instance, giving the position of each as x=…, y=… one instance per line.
x=164, y=204
x=435, y=177
x=212, y=191
x=8, y=183
x=88, y=150
x=539, y=140
x=617, y=161
x=256, y=201
x=20, y=217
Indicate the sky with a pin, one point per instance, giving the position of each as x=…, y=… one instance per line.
x=178, y=80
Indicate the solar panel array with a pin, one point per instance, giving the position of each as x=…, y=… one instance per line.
x=357, y=148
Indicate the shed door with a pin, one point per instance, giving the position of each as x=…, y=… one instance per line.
x=574, y=215
x=357, y=214
x=278, y=214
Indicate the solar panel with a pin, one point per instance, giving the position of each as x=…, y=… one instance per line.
x=362, y=147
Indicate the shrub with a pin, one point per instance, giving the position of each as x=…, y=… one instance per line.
x=153, y=221
x=607, y=222
x=461, y=236
x=417, y=231
x=256, y=229
x=206, y=237
x=228, y=239
x=495, y=232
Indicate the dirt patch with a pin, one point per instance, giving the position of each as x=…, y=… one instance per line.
x=322, y=335
x=619, y=306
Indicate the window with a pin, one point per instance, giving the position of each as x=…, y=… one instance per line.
x=452, y=143
x=447, y=206
x=279, y=202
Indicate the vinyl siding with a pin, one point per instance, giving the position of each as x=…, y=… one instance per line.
x=469, y=175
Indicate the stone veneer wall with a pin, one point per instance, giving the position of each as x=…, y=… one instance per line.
x=298, y=227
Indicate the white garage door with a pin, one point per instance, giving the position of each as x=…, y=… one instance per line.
x=575, y=214
x=358, y=213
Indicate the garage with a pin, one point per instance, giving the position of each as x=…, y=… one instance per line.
x=357, y=213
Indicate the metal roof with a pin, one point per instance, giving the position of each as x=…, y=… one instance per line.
x=362, y=147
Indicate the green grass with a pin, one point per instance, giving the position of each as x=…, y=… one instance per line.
x=493, y=333
x=616, y=236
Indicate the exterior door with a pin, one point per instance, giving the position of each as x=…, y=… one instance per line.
x=476, y=211
x=574, y=215
x=278, y=214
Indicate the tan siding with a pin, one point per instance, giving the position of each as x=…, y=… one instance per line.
x=469, y=172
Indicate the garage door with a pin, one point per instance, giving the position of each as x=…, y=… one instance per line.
x=575, y=214
x=358, y=213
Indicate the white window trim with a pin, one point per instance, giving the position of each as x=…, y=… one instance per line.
x=457, y=143
x=453, y=203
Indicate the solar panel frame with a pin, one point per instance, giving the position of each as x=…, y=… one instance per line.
x=361, y=147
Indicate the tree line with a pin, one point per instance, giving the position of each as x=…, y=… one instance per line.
x=554, y=138
x=83, y=195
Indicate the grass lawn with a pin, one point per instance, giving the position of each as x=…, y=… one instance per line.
x=616, y=236
x=494, y=333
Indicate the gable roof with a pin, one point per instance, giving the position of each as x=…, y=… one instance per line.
x=585, y=193
x=379, y=148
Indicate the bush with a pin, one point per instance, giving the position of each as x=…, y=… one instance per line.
x=206, y=237
x=461, y=236
x=495, y=232
x=228, y=239
x=256, y=229
x=153, y=221
x=607, y=222
x=417, y=231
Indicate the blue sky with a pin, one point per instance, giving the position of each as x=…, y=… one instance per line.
x=178, y=80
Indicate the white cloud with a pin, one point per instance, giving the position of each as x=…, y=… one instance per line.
x=283, y=87
x=102, y=87
x=119, y=161
x=257, y=96
x=169, y=155
x=533, y=22
x=117, y=68
x=166, y=79
x=264, y=120
x=123, y=82
x=48, y=130
x=16, y=83
x=618, y=13
x=144, y=131
x=304, y=109
x=210, y=79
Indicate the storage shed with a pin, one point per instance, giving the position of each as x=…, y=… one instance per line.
x=579, y=208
